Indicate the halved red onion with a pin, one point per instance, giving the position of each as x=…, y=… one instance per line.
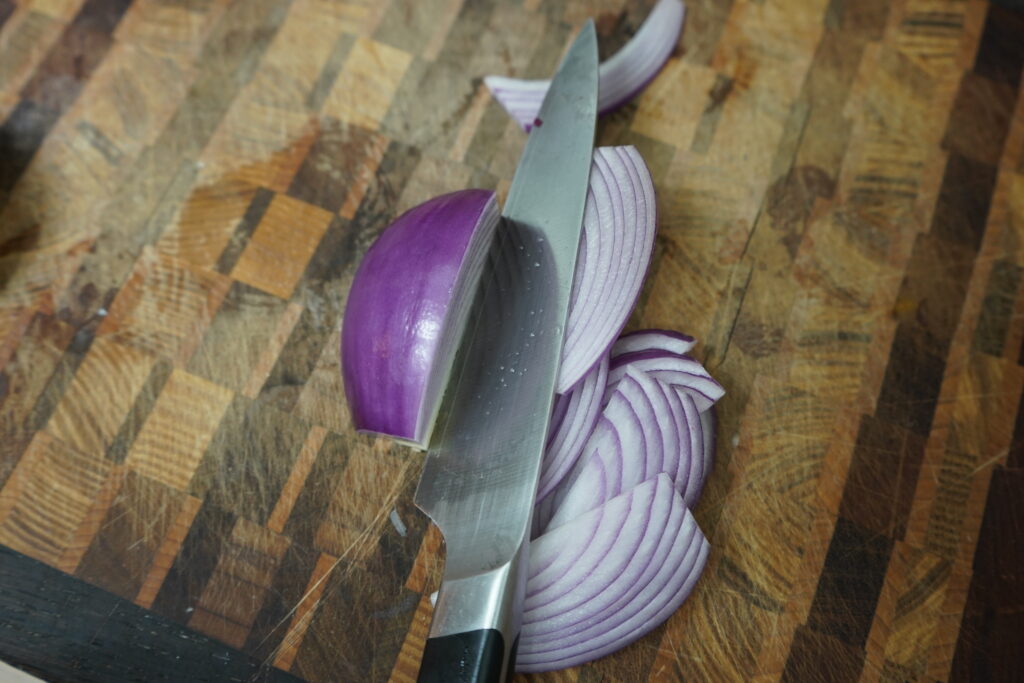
x=406, y=311
x=608, y=577
x=619, y=224
x=620, y=77
x=668, y=341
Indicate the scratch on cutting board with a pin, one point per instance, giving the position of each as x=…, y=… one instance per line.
x=367, y=533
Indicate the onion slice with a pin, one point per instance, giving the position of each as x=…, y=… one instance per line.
x=572, y=422
x=618, y=238
x=672, y=343
x=652, y=422
x=642, y=437
x=402, y=324
x=709, y=427
x=680, y=371
x=620, y=77
x=608, y=577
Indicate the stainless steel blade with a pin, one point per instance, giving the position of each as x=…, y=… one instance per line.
x=481, y=472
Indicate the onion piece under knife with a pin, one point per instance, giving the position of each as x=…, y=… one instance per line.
x=620, y=77
x=618, y=238
x=574, y=416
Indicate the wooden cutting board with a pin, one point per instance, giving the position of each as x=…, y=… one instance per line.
x=186, y=188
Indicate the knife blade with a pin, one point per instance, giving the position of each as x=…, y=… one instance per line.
x=480, y=475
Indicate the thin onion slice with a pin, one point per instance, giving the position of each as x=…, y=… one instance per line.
x=402, y=324
x=655, y=604
x=587, y=599
x=681, y=371
x=670, y=342
x=557, y=587
x=619, y=225
x=709, y=425
x=620, y=77
x=648, y=439
x=572, y=422
x=656, y=541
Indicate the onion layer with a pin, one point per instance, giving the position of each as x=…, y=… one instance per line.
x=620, y=78
x=672, y=343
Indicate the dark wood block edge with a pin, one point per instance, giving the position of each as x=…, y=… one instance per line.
x=63, y=629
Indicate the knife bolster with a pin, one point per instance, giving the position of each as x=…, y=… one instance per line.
x=488, y=602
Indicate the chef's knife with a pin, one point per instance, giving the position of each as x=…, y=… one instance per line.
x=481, y=471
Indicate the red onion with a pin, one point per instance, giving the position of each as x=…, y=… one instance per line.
x=572, y=421
x=619, y=224
x=620, y=78
x=647, y=428
x=604, y=579
x=695, y=430
x=412, y=291
x=406, y=311
x=709, y=428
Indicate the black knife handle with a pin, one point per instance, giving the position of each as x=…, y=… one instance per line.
x=470, y=657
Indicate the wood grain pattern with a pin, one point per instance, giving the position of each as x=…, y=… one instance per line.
x=186, y=189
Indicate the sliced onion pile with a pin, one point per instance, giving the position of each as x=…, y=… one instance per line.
x=620, y=77
x=615, y=549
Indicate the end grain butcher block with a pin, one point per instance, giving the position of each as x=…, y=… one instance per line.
x=186, y=188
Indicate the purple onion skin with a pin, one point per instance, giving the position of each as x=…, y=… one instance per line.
x=396, y=311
